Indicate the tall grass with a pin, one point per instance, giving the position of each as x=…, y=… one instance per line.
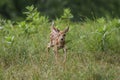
x=93, y=49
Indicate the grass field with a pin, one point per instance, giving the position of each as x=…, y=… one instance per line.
x=93, y=49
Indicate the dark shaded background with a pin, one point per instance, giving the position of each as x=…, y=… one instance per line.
x=13, y=9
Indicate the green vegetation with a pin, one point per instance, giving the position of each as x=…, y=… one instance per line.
x=12, y=9
x=93, y=49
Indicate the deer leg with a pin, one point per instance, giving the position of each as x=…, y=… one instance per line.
x=65, y=55
x=56, y=53
x=48, y=48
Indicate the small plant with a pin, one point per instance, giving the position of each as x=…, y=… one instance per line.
x=9, y=39
x=34, y=16
x=67, y=14
x=33, y=21
x=104, y=38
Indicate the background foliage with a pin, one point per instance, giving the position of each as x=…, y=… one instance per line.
x=12, y=9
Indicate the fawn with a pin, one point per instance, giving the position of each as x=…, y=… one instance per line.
x=57, y=41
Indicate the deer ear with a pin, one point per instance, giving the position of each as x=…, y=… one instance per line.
x=53, y=29
x=53, y=24
x=66, y=30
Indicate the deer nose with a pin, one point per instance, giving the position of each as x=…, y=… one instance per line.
x=62, y=39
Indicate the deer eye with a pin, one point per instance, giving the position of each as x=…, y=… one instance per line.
x=64, y=35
